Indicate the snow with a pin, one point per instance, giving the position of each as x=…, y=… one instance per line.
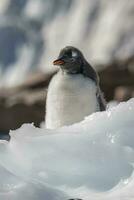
x=89, y=160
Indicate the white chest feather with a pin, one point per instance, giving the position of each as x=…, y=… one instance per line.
x=70, y=98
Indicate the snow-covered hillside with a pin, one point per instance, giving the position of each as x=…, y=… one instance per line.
x=89, y=160
x=33, y=31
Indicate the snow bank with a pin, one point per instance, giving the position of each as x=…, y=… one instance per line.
x=92, y=159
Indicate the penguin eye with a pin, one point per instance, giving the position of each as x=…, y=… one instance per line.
x=74, y=54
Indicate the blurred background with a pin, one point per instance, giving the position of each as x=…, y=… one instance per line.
x=32, y=32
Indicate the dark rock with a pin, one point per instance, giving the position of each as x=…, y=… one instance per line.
x=117, y=73
x=26, y=103
x=23, y=104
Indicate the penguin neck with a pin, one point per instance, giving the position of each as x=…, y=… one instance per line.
x=64, y=72
x=72, y=71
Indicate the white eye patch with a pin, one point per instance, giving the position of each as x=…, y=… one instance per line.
x=74, y=54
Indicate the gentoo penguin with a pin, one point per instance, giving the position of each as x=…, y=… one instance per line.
x=74, y=91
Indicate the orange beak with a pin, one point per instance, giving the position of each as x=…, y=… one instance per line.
x=58, y=62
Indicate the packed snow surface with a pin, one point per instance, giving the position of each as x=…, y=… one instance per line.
x=89, y=160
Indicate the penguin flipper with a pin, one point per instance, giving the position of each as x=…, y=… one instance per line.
x=101, y=100
x=89, y=72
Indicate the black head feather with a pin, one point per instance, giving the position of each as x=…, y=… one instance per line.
x=71, y=60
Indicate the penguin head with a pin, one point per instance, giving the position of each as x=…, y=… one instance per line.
x=70, y=60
